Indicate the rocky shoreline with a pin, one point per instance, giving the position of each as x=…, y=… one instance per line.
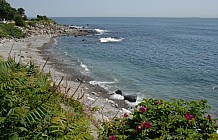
x=54, y=30
x=50, y=29
x=35, y=48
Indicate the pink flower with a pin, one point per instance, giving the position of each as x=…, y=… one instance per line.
x=146, y=124
x=209, y=117
x=138, y=128
x=142, y=109
x=189, y=117
x=112, y=137
x=157, y=102
x=125, y=115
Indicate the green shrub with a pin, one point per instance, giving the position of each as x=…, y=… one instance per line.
x=2, y=33
x=158, y=119
x=31, y=109
x=19, y=21
x=42, y=19
x=9, y=30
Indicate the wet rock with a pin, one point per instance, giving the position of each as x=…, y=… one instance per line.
x=119, y=92
x=130, y=98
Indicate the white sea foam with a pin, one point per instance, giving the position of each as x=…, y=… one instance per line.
x=65, y=53
x=101, y=31
x=110, y=39
x=77, y=27
x=104, y=84
x=101, y=82
x=116, y=97
x=84, y=66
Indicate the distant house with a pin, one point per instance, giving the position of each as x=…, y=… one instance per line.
x=3, y=21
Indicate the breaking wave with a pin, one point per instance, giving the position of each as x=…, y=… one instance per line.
x=110, y=39
x=101, y=31
x=84, y=66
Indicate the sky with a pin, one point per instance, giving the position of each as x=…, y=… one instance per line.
x=119, y=8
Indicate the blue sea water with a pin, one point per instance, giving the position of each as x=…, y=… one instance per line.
x=153, y=57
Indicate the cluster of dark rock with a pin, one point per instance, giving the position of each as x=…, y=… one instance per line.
x=53, y=29
x=130, y=98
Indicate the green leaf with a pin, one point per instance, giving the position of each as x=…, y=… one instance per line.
x=142, y=117
x=2, y=119
x=22, y=129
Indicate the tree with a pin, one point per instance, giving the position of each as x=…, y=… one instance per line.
x=6, y=11
x=21, y=12
x=19, y=21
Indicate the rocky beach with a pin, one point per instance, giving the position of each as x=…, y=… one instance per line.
x=73, y=84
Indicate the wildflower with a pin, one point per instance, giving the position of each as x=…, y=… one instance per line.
x=138, y=128
x=125, y=115
x=157, y=102
x=209, y=117
x=146, y=124
x=112, y=137
x=142, y=109
x=189, y=117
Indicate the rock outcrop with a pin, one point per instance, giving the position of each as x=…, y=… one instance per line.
x=53, y=30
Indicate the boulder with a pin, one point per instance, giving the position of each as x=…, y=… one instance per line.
x=130, y=98
x=119, y=92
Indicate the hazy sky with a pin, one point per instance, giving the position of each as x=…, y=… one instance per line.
x=119, y=8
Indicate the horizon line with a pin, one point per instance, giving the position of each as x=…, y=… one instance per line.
x=123, y=17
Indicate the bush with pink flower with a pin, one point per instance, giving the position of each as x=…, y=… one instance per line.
x=159, y=119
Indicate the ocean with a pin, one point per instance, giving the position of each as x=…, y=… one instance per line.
x=161, y=58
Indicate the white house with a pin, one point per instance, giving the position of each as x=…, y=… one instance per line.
x=3, y=21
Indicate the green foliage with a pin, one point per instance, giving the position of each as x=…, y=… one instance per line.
x=6, y=11
x=19, y=21
x=158, y=119
x=9, y=30
x=41, y=19
x=9, y=13
x=32, y=109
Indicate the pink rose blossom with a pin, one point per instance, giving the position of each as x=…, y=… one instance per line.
x=146, y=124
x=125, y=115
x=112, y=137
x=142, y=109
x=209, y=117
x=157, y=102
x=189, y=117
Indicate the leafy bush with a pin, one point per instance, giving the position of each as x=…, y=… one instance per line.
x=9, y=30
x=32, y=109
x=19, y=21
x=158, y=119
x=2, y=33
x=42, y=19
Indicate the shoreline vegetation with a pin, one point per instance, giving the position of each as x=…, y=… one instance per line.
x=42, y=98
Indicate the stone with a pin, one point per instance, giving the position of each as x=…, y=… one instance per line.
x=130, y=98
x=119, y=92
